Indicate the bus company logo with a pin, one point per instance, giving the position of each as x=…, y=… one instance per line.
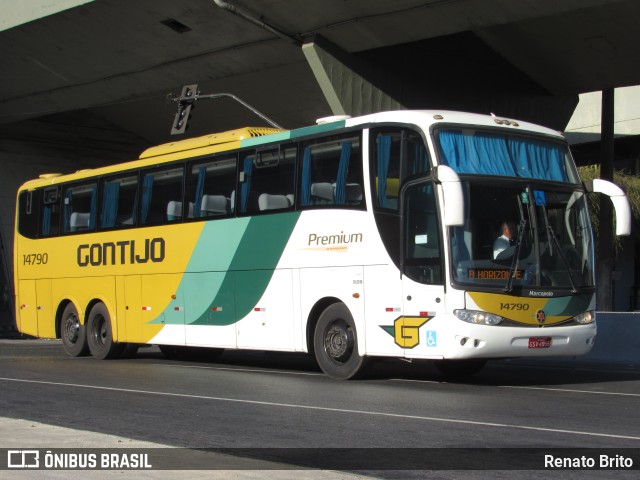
x=541, y=316
x=406, y=330
x=121, y=253
x=336, y=242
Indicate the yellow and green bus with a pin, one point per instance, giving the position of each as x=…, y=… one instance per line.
x=351, y=239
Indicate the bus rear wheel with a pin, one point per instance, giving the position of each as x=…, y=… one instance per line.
x=335, y=343
x=100, y=334
x=72, y=332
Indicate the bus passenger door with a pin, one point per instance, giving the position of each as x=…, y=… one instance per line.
x=27, y=307
x=421, y=304
x=422, y=270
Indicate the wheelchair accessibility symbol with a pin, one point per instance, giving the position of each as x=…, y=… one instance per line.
x=540, y=198
x=432, y=339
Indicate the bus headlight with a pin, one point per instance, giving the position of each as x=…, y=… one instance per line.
x=475, y=316
x=585, y=318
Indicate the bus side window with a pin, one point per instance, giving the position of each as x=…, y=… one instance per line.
x=118, y=207
x=387, y=169
x=161, y=196
x=267, y=180
x=332, y=173
x=399, y=155
x=79, y=207
x=50, y=212
x=211, y=187
x=422, y=238
x=28, y=203
x=416, y=157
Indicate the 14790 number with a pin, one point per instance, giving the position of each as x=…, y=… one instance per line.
x=35, y=259
x=514, y=306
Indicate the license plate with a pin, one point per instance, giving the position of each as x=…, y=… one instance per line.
x=539, y=342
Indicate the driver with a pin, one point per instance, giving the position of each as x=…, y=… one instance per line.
x=507, y=236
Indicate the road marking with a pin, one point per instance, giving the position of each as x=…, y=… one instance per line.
x=548, y=389
x=326, y=409
x=570, y=390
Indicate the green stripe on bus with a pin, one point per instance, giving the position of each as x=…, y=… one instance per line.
x=236, y=260
x=290, y=134
x=570, y=306
x=322, y=128
x=274, y=137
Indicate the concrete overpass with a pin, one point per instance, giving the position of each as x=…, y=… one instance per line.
x=86, y=82
x=116, y=60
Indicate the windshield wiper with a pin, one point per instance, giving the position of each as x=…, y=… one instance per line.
x=551, y=234
x=516, y=257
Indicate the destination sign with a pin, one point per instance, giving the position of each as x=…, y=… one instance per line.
x=492, y=274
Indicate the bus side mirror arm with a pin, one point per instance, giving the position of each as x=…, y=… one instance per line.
x=453, y=208
x=619, y=200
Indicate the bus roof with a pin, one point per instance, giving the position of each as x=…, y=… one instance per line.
x=207, y=140
x=428, y=118
x=254, y=136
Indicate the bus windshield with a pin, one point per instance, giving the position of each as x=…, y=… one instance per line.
x=523, y=235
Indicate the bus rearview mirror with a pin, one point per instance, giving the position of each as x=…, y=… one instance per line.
x=453, y=208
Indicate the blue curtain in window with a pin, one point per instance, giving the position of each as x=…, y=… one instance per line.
x=46, y=220
x=202, y=173
x=420, y=158
x=487, y=154
x=538, y=159
x=147, y=191
x=94, y=207
x=481, y=153
x=110, y=204
x=134, y=213
x=306, y=177
x=343, y=169
x=68, y=198
x=453, y=150
x=246, y=185
x=384, y=157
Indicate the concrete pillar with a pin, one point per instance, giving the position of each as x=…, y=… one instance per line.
x=351, y=86
x=605, y=234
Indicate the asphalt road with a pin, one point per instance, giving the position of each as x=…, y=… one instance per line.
x=254, y=400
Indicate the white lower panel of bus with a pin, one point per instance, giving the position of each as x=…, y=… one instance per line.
x=459, y=340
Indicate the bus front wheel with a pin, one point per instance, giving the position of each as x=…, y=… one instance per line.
x=100, y=335
x=72, y=332
x=335, y=343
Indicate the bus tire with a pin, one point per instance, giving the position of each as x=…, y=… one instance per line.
x=100, y=334
x=460, y=368
x=335, y=343
x=73, y=333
